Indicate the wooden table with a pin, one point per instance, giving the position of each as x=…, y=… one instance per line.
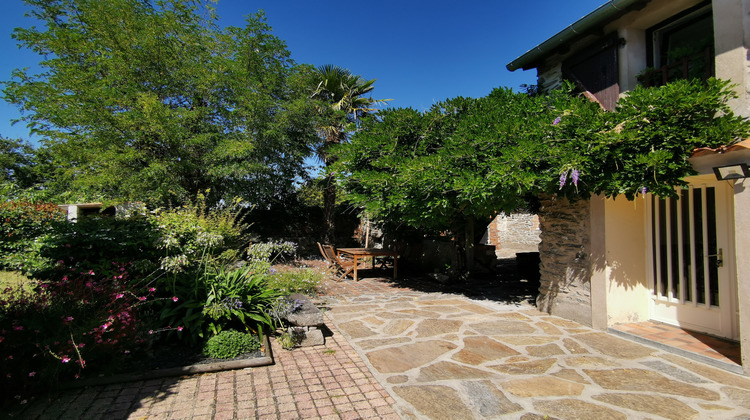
x=357, y=253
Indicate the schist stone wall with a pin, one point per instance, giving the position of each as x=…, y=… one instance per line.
x=565, y=272
x=512, y=233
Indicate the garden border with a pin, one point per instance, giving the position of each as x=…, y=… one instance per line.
x=180, y=371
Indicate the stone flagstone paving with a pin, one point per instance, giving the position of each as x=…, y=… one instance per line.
x=444, y=356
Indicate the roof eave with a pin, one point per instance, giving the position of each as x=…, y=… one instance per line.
x=604, y=14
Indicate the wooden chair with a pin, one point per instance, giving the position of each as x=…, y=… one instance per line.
x=343, y=267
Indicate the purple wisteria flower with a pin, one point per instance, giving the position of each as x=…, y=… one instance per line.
x=563, y=179
x=556, y=121
x=643, y=191
x=574, y=176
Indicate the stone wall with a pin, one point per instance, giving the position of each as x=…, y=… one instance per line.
x=565, y=271
x=513, y=233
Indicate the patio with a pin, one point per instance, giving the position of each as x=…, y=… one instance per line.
x=409, y=350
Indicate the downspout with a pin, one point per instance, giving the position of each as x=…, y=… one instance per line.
x=602, y=14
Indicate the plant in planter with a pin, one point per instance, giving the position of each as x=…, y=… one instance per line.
x=237, y=297
x=230, y=344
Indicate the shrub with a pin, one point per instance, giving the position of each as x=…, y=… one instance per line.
x=101, y=244
x=22, y=224
x=79, y=324
x=272, y=251
x=230, y=344
x=193, y=237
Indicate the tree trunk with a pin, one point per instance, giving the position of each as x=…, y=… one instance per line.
x=469, y=244
x=329, y=210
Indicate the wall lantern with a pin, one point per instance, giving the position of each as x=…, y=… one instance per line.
x=737, y=171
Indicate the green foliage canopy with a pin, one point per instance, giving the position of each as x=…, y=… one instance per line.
x=152, y=101
x=468, y=158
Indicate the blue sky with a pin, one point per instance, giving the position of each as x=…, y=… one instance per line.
x=420, y=52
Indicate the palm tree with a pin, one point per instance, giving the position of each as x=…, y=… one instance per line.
x=344, y=93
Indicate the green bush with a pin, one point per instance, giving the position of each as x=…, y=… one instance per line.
x=272, y=251
x=22, y=225
x=230, y=344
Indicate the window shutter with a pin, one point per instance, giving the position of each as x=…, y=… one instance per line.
x=594, y=71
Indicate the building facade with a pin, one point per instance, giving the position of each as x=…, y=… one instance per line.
x=682, y=262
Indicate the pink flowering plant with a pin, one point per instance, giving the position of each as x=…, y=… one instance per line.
x=79, y=325
x=90, y=308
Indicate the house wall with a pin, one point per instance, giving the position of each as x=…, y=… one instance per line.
x=731, y=38
x=625, y=259
x=613, y=234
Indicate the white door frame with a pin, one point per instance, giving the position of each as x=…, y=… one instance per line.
x=674, y=307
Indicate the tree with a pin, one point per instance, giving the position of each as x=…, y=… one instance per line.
x=343, y=93
x=465, y=159
x=152, y=101
x=16, y=159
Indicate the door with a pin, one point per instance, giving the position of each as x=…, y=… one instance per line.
x=692, y=255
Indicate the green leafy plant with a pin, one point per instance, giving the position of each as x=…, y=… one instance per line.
x=230, y=344
x=237, y=297
x=290, y=338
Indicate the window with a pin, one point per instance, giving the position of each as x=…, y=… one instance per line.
x=681, y=48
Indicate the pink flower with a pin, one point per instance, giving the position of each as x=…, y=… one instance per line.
x=32, y=374
x=153, y=289
x=67, y=319
x=174, y=299
x=65, y=359
x=119, y=296
x=150, y=331
x=179, y=328
x=18, y=328
x=142, y=298
x=105, y=326
x=67, y=245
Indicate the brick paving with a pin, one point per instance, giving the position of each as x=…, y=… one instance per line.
x=325, y=382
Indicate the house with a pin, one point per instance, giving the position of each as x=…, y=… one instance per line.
x=74, y=211
x=682, y=262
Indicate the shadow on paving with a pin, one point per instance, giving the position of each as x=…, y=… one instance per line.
x=506, y=284
x=113, y=401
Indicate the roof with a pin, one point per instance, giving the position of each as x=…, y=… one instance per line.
x=704, y=151
x=593, y=21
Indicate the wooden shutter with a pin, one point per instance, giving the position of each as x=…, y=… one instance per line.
x=594, y=71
